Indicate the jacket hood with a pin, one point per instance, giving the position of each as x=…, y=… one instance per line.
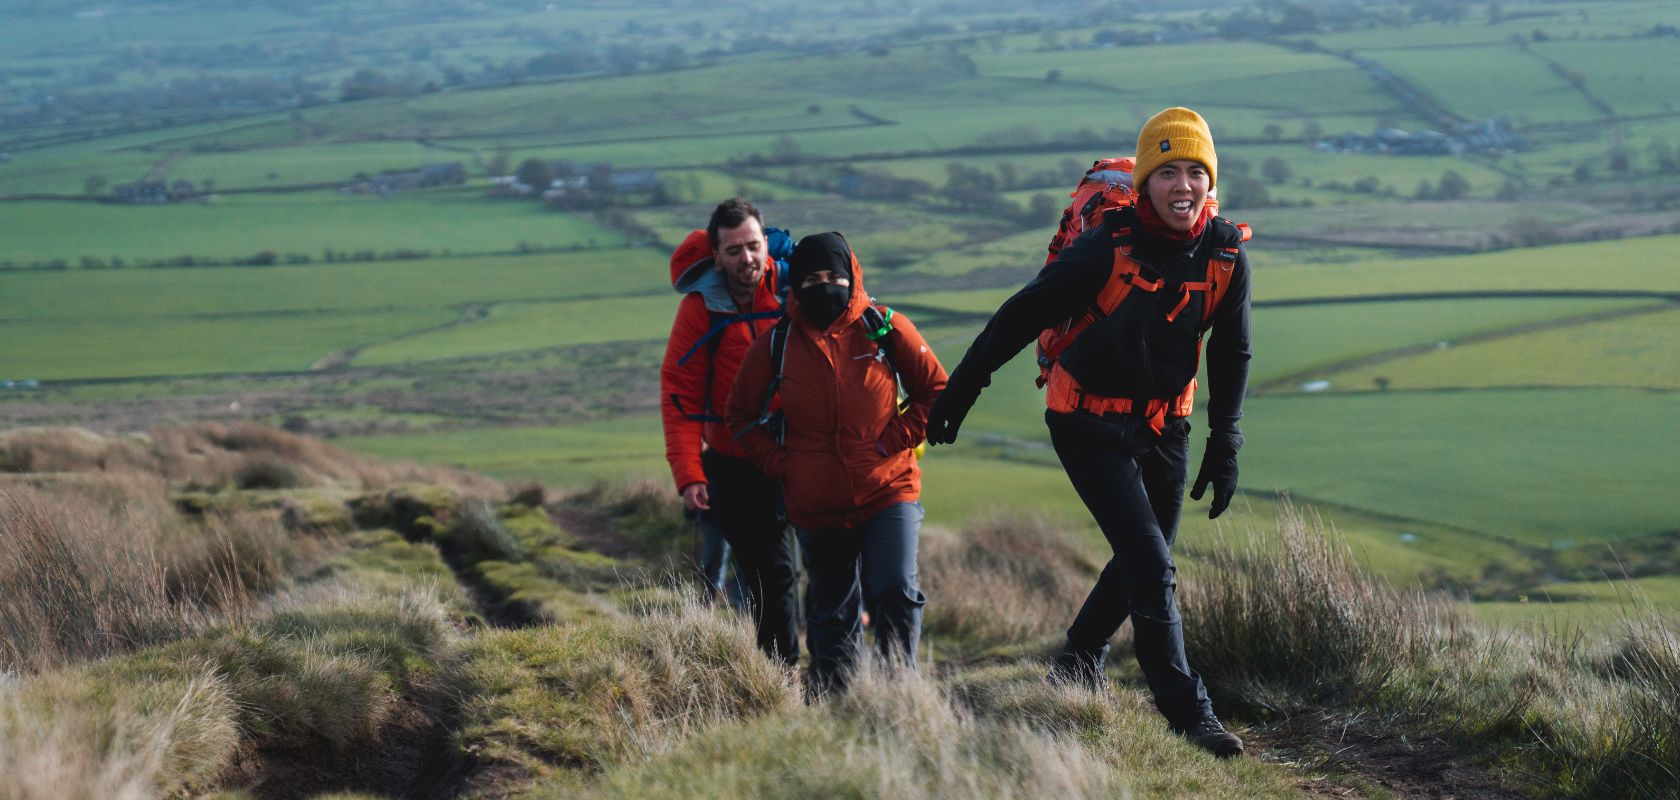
x=689, y=260
x=829, y=251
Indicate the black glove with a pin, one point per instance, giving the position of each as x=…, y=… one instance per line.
x=1219, y=467
x=948, y=411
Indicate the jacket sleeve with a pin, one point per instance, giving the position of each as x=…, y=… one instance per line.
x=923, y=379
x=1061, y=290
x=746, y=403
x=1228, y=355
x=682, y=391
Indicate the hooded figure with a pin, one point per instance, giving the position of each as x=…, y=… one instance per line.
x=850, y=480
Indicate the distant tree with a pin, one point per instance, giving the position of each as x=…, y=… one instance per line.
x=1381, y=382
x=1367, y=185
x=534, y=172
x=1620, y=161
x=94, y=183
x=498, y=163
x=1452, y=186
x=1663, y=157
x=1276, y=170
x=207, y=185
x=1053, y=76
x=1272, y=131
x=1583, y=172
x=1043, y=209
x=1424, y=191
x=813, y=109
x=785, y=149
x=1311, y=130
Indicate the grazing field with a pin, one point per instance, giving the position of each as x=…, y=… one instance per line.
x=1540, y=466
x=1640, y=352
x=437, y=221
x=74, y=349
x=341, y=286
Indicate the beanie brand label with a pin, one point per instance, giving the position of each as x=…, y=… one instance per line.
x=1166, y=145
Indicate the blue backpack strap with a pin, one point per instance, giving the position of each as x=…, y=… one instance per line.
x=721, y=321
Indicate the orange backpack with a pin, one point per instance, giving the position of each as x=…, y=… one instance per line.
x=1107, y=186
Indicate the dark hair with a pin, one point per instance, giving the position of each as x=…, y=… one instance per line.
x=731, y=213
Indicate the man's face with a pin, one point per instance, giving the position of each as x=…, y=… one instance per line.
x=742, y=253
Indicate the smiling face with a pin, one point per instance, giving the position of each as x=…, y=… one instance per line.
x=1178, y=190
x=742, y=253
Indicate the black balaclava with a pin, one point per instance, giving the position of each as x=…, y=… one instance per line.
x=823, y=303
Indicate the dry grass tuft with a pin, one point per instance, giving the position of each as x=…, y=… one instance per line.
x=594, y=693
x=67, y=736
x=1007, y=581
x=77, y=580
x=1292, y=612
x=245, y=455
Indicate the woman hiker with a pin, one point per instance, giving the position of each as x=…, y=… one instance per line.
x=842, y=450
x=1119, y=400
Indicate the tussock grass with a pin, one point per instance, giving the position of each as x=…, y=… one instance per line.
x=1288, y=623
x=210, y=454
x=70, y=735
x=1000, y=734
x=586, y=695
x=1288, y=617
x=480, y=535
x=78, y=581
x=321, y=667
x=645, y=511
x=1004, y=582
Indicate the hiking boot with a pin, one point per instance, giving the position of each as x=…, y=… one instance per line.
x=1082, y=669
x=1211, y=736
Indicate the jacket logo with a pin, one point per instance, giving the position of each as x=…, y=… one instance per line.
x=1166, y=145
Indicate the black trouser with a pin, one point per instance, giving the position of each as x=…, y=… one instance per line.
x=1133, y=482
x=873, y=564
x=746, y=507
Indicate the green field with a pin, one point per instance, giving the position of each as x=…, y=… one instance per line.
x=239, y=226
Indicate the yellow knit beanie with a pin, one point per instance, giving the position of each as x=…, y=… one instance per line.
x=1174, y=134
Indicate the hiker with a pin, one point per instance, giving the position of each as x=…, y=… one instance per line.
x=1119, y=399
x=729, y=300
x=842, y=445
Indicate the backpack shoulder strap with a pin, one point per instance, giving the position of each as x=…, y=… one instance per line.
x=1221, y=260
x=778, y=359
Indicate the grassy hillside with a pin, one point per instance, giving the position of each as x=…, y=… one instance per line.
x=272, y=603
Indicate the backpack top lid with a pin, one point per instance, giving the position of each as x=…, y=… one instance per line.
x=692, y=256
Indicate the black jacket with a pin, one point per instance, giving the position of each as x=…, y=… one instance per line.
x=1132, y=352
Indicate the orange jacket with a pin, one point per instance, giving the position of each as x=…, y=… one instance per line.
x=708, y=340
x=847, y=453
